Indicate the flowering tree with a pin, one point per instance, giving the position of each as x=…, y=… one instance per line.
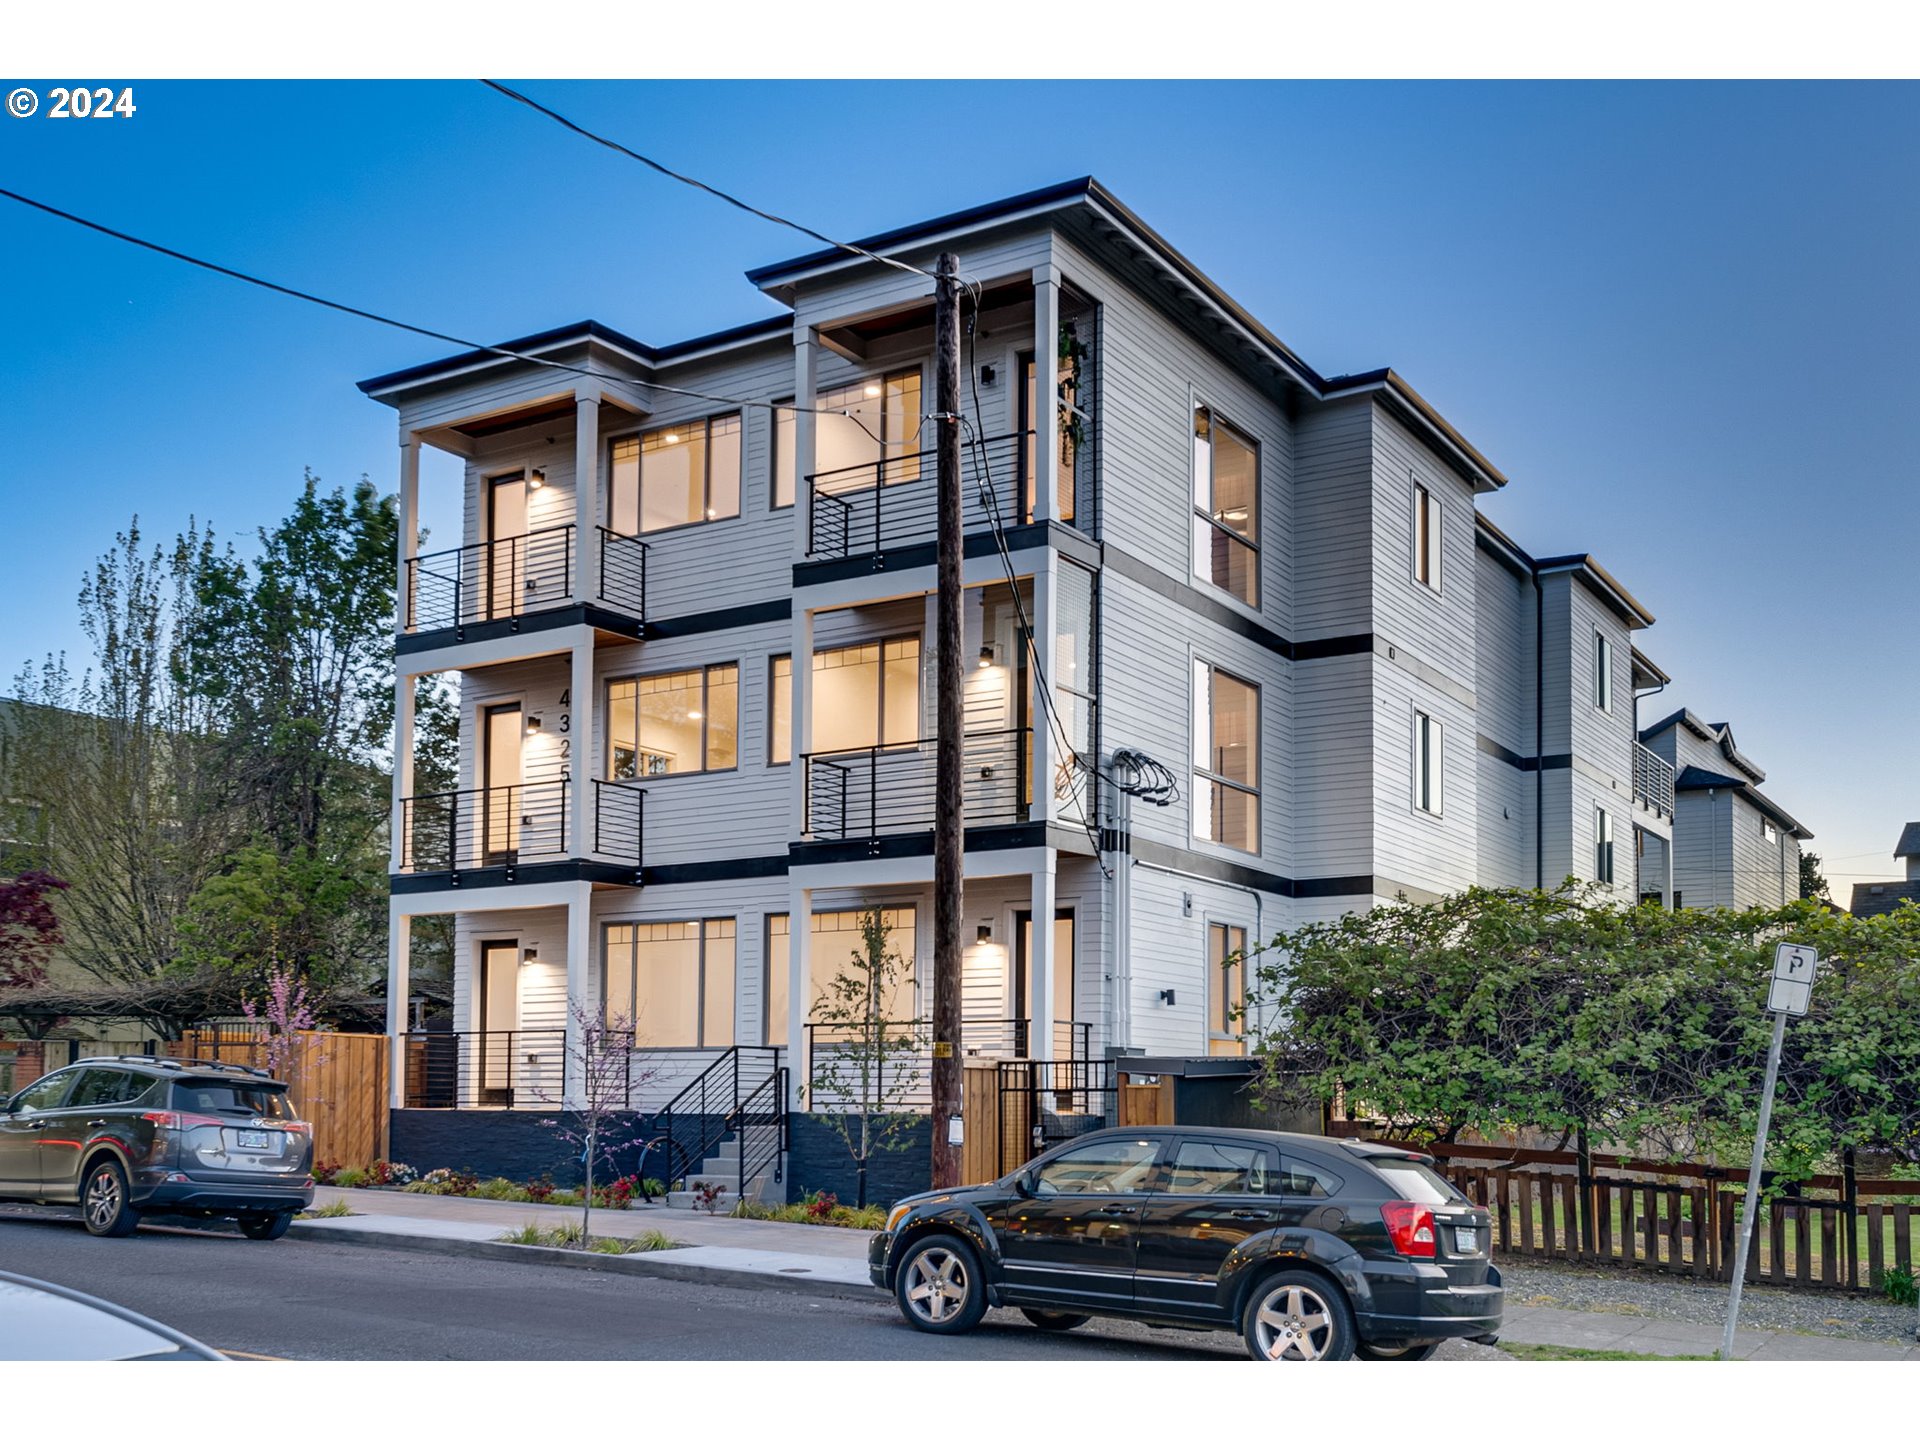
x=599, y=1082
x=29, y=931
x=285, y=1010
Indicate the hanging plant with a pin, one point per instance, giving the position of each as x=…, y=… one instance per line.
x=1071, y=352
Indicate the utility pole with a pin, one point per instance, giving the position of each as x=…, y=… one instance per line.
x=947, y=819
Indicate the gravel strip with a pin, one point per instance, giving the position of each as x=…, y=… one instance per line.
x=1836, y=1315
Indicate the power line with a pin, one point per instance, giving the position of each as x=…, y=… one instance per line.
x=702, y=185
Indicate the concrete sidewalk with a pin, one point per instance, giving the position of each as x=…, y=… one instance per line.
x=821, y=1259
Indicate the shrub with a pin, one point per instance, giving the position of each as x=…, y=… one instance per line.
x=820, y=1206
x=539, y=1191
x=324, y=1171
x=652, y=1188
x=617, y=1196
x=499, y=1189
x=707, y=1196
x=1902, y=1287
x=568, y=1237
x=351, y=1179
x=332, y=1210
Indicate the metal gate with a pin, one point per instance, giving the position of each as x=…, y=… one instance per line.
x=1039, y=1103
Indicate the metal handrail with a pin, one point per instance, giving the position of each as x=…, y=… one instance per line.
x=708, y=1107
x=1652, y=779
x=490, y=579
x=452, y=830
x=463, y=1069
x=623, y=573
x=884, y=504
x=619, y=828
x=890, y=789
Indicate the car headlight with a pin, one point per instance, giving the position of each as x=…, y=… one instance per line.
x=895, y=1216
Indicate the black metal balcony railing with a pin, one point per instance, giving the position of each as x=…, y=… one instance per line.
x=520, y=575
x=891, y=1068
x=889, y=789
x=464, y=1069
x=1652, y=780
x=619, y=831
x=865, y=509
x=476, y=829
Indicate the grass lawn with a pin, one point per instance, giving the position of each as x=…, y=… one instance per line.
x=1523, y=1351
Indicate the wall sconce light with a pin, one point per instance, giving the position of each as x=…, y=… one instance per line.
x=983, y=933
x=986, y=655
x=1167, y=995
x=986, y=374
x=533, y=724
x=537, y=480
x=530, y=955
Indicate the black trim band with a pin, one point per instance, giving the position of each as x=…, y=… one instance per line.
x=499, y=876
x=533, y=623
x=1527, y=764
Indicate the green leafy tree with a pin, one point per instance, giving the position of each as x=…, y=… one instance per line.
x=1813, y=884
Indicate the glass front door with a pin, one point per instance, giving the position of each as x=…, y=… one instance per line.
x=506, y=544
x=500, y=799
x=1062, y=981
x=499, y=993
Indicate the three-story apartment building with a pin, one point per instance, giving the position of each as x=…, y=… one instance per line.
x=1278, y=664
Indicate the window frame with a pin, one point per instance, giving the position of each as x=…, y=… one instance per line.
x=1426, y=540
x=1214, y=418
x=706, y=715
x=773, y=691
x=1769, y=832
x=1220, y=1026
x=880, y=690
x=1602, y=672
x=1429, y=751
x=1196, y=775
x=1604, y=851
x=787, y=406
x=700, y=979
x=889, y=449
x=639, y=438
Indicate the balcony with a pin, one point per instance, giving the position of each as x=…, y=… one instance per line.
x=1652, y=781
x=503, y=828
x=896, y=1068
x=522, y=580
x=523, y=1069
x=889, y=789
x=872, y=510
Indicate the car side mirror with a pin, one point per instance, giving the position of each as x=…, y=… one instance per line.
x=1023, y=1185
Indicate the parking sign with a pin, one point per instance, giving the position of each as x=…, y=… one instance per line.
x=1793, y=967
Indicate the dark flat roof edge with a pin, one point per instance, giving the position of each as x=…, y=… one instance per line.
x=1596, y=574
x=1693, y=777
x=1395, y=384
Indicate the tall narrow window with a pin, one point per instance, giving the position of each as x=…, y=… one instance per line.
x=1226, y=500
x=773, y=1004
x=674, y=724
x=674, y=980
x=1226, y=989
x=1426, y=537
x=1769, y=833
x=1226, y=759
x=783, y=454
x=780, y=710
x=1429, y=764
x=682, y=474
x=1602, y=672
x=1602, y=846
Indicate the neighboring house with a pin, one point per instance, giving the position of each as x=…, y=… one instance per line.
x=1881, y=897
x=23, y=820
x=1733, y=845
x=695, y=644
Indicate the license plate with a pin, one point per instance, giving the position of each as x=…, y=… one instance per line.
x=254, y=1140
x=1466, y=1240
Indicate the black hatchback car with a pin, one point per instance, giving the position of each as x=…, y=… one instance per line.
x=136, y=1136
x=1309, y=1248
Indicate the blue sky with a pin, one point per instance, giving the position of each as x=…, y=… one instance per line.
x=1679, y=317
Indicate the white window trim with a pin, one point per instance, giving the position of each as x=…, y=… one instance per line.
x=1602, y=672
x=1197, y=777
x=1437, y=753
x=1197, y=401
x=1603, y=837
x=1419, y=491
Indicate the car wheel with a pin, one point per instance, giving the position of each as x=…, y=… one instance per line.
x=1054, y=1319
x=1297, y=1315
x=1364, y=1351
x=940, y=1287
x=103, y=1201
x=266, y=1227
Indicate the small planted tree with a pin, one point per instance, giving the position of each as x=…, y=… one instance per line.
x=863, y=1071
x=596, y=1110
x=29, y=934
x=286, y=1010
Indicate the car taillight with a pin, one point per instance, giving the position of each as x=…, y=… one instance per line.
x=176, y=1120
x=1410, y=1227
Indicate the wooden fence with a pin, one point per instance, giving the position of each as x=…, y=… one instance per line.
x=1683, y=1219
x=338, y=1084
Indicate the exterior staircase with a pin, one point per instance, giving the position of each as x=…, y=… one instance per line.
x=727, y=1128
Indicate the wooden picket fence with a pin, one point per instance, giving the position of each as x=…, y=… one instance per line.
x=1683, y=1219
x=338, y=1084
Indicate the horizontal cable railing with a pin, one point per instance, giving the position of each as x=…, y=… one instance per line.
x=865, y=509
x=890, y=1066
x=1652, y=780
x=478, y=829
x=492, y=580
x=889, y=789
x=474, y=1069
x=619, y=831
x=623, y=573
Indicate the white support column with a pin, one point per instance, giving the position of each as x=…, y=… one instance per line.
x=1040, y=960
x=586, y=498
x=579, y=735
x=1046, y=409
x=403, y=740
x=409, y=525
x=1670, y=904
x=579, y=968
x=806, y=390
x=799, y=988
x=1046, y=744
x=399, y=967
x=800, y=712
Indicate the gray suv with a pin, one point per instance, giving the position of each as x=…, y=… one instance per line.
x=134, y=1136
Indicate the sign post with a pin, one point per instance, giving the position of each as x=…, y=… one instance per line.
x=1792, y=988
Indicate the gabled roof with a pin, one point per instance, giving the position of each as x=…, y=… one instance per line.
x=1694, y=777
x=1882, y=897
x=1714, y=733
x=1909, y=841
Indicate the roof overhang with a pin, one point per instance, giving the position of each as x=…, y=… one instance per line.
x=1646, y=674
x=1692, y=777
x=1594, y=575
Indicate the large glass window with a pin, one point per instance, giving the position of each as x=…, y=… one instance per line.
x=1426, y=537
x=674, y=724
x=862, y=695
x=1226, y=507
x=867, y=423
x=1226, y=759
x=674, y=980
x=835, y=950
x=1226, y=989
x=682, y=474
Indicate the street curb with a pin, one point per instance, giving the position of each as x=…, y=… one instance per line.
x=641, y=1264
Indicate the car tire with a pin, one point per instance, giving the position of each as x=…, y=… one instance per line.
x=1297, y=1315
x=1364, y=1351
x=104, y=1203
x=941, y=1286
x=266, y=1227
x=1054, y=1319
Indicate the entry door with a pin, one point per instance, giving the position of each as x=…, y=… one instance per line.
x=501, y=803
x=1062, y=976
x=499, y=992
x=1073, y=1242
x=506, y=544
